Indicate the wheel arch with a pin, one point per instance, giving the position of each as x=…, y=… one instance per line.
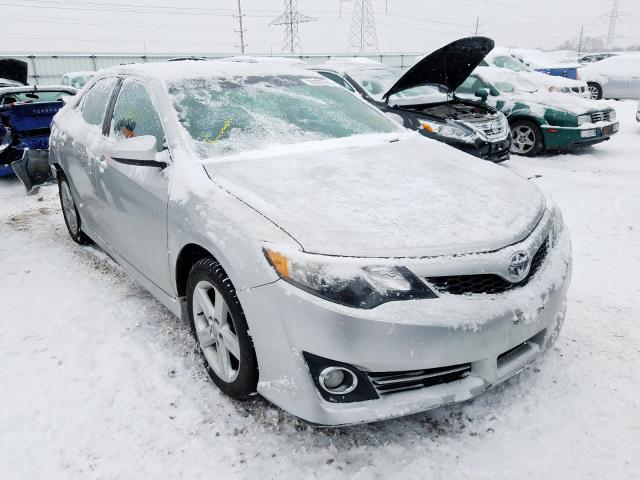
x=188, y=256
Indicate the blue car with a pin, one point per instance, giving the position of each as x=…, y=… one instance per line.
x=25, y=118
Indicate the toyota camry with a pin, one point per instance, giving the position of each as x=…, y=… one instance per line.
x=344, y=268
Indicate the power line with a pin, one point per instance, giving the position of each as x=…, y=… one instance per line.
x=291, y=18
x=363, y=27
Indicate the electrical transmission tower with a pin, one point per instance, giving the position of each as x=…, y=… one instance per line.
x=290, y=18
x=242, y=30
x=363, y=27
x=613, y=18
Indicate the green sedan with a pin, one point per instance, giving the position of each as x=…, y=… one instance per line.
x=540, y=120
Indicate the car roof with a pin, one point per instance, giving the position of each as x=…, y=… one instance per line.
x=38, y=88
x=177, y=70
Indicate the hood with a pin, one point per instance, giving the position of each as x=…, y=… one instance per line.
x=560, y=101
x=384, y=196
x=12, y=69
x=449, y=66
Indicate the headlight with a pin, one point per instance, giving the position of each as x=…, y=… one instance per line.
x=557, y=226
x=582, y=119
x=351, y=285
x=447, y=130
x=612, y=115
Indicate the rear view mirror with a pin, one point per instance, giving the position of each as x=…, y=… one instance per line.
x=139, y=151
x=482, y=93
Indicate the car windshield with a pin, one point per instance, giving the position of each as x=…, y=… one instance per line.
x=377, y=81
x=79, y=81
x=40, y=96
x=233, y=115
x=515, y=85
x=505, y=61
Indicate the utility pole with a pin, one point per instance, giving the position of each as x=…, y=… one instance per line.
x=613, y=18
x=291, y=18
x=241, y=31
x=363, y=27
x=477, y=24
x=580, y=43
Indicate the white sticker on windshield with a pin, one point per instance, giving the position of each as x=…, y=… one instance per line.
x=317, y=81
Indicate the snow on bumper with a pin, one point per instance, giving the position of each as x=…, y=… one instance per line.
x=403, y=336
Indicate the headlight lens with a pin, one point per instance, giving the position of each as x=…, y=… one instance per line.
x=612, y=115
x=447, y=130
x=557, y=226
x=582, y=119
x=351, y=285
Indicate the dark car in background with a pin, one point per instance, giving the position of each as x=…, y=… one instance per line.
x=423, y=98
x=25, y=119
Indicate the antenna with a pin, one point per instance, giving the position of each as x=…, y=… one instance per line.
x=290, y=18
x=613, y=17
x=242, y=30
x=363, y=27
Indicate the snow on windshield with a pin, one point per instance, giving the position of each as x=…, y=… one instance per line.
x=231, y=115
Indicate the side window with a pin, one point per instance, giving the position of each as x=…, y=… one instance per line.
x=64, y=81
x=337, y=79
x=94, y=104
x=134, y=114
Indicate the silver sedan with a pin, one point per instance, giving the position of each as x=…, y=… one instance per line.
x=344, y=268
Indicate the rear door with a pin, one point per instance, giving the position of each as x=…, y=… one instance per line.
x=133, y=199
x=83, y=143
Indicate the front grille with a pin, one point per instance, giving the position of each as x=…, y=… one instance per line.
x=487, y=283
x=394, y=382
x=603, y=116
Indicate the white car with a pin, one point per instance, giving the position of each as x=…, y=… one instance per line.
x=614, y=77
x=76, y=79
x=502, y=58
x=343, y=267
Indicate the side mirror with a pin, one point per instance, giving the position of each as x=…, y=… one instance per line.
x=139, y=151
x=482, y=94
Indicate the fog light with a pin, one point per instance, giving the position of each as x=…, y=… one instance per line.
x=588, y=133
x=338, y=380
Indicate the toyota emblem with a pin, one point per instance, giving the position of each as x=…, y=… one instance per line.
x=519, y=266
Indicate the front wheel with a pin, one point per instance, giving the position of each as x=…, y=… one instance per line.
x=220, y=328
x=595, y=91
x=526, y=138
x=70, y=213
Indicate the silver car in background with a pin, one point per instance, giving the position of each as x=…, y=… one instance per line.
x=342, y=267
x=614, y=77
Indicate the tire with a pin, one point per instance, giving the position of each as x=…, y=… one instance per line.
x=70, y=213
x=595, y=90
x=526, y=138
x=222, y=333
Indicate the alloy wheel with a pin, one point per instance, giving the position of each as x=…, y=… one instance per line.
x=68, y=208
x=524, y=139
x=593, y=92
x=216, y=331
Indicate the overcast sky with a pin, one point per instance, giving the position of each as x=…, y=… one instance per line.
x=411, y=26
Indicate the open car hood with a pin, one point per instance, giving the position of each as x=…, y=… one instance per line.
x=448, y=66
x=12, y=69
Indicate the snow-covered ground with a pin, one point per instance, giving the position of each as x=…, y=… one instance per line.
x=98, y=380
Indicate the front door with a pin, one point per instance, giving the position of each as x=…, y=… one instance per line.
x=135, y=197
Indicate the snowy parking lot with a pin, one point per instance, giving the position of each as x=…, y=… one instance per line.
x=100, y=381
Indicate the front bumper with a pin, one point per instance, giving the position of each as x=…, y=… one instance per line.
x=557, y=138
x=287, y=323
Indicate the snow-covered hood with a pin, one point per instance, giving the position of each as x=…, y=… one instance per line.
x=557, y=101
x=399, y=195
